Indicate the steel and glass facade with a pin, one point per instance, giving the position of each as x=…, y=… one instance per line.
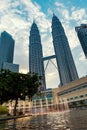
x=65, y=62
x=6, y=48
x=7, y=52
x=82, y=35
x=35, y=53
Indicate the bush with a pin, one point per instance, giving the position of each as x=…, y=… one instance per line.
x=3, y=110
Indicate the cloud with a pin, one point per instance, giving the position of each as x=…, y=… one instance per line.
x=82, y=57
x=59, y=4
x=51, y=74
x=80, y=60
x=4, y=5
x=48, y=48
x=71, y=35
x=78, y=14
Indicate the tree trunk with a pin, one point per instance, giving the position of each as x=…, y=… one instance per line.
x=16, y=102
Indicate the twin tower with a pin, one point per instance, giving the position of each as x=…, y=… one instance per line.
x=65, y=62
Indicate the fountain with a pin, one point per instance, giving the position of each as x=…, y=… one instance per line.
x=66, y=104
x=41, y=106
x=47, y=108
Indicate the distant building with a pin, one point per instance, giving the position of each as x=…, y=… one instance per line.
x=6, y=47
x=35, y=54
x=7, y=52
x=82, y=35
x=11, y=67
x=65, y=62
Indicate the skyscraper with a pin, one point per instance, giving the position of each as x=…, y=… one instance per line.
x=7, y=52
x=35, y=53
x=65, y=62
x=82, y=35
x=6, y=48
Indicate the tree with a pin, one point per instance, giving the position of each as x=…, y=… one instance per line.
x=17, y=85
x=4, y=97
x=33, y=82
x=22, y=85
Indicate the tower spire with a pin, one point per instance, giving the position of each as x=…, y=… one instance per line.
x=53, y=14
x=34, y=21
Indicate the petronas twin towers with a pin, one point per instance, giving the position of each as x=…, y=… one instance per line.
x=35, y=53
x=65, y=62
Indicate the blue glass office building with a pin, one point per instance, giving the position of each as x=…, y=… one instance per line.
x=82, y=35
x=6, y=48
x=7, y=52
x=65, y=62
x=35, y=53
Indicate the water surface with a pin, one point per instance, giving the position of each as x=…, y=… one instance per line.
x=72, y=120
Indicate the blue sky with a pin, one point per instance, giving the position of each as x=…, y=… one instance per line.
x=16, y=17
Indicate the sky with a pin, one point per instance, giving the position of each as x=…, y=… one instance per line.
x=16, y=17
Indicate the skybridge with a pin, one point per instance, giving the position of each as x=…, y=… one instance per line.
x=49, y=59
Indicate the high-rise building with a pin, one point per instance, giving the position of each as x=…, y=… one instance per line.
x=6, y=48
x=7, y=52
x=82, y=35
x=65, y=62
x=35, y=53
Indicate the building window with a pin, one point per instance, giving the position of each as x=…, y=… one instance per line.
x=76, y=97
x=26, y=105
x=71, y=98
x=81, y=96
x=86, y=95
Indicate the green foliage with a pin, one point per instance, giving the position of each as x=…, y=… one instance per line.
x=4, y=96
x=3, y=110
x=32, y=85
x=17, y=85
